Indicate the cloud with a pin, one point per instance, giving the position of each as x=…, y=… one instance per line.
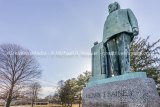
x=47, y=91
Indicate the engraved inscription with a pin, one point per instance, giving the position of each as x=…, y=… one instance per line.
x=105, y=94
x=93, y=95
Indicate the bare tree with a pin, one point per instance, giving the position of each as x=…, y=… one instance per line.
x=33, y=91
x=17, y=68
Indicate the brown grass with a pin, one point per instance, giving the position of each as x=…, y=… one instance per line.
x=50, y=105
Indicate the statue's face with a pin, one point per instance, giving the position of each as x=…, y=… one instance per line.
x=112, y=7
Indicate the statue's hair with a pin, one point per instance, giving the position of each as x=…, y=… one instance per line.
x=117, y=4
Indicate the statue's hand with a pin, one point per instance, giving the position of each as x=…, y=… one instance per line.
x=135, y=31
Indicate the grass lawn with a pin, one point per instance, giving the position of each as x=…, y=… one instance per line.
x=50, y=105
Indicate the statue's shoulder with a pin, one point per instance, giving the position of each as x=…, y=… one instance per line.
x=123, y=10
x=129, y=10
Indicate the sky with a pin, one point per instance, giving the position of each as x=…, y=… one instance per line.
x=61, y=33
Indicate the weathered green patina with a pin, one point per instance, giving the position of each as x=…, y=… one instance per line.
x=111, y=57
x=119, y=29
x=96, y=80
x=118, y=21
x=97, y=58
x=112, y=83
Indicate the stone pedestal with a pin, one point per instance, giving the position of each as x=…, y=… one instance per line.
x=136, y=92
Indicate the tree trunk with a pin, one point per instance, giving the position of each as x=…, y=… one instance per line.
x=9, y=98
x=8, y=101
x=80, y=98
x=32, y=103
x=79, y=103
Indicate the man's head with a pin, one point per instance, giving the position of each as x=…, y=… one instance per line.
x=113, y=6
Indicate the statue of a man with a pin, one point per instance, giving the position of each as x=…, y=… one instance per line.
x=119, y=29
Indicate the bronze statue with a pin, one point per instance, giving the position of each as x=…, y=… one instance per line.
x=119, y=29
